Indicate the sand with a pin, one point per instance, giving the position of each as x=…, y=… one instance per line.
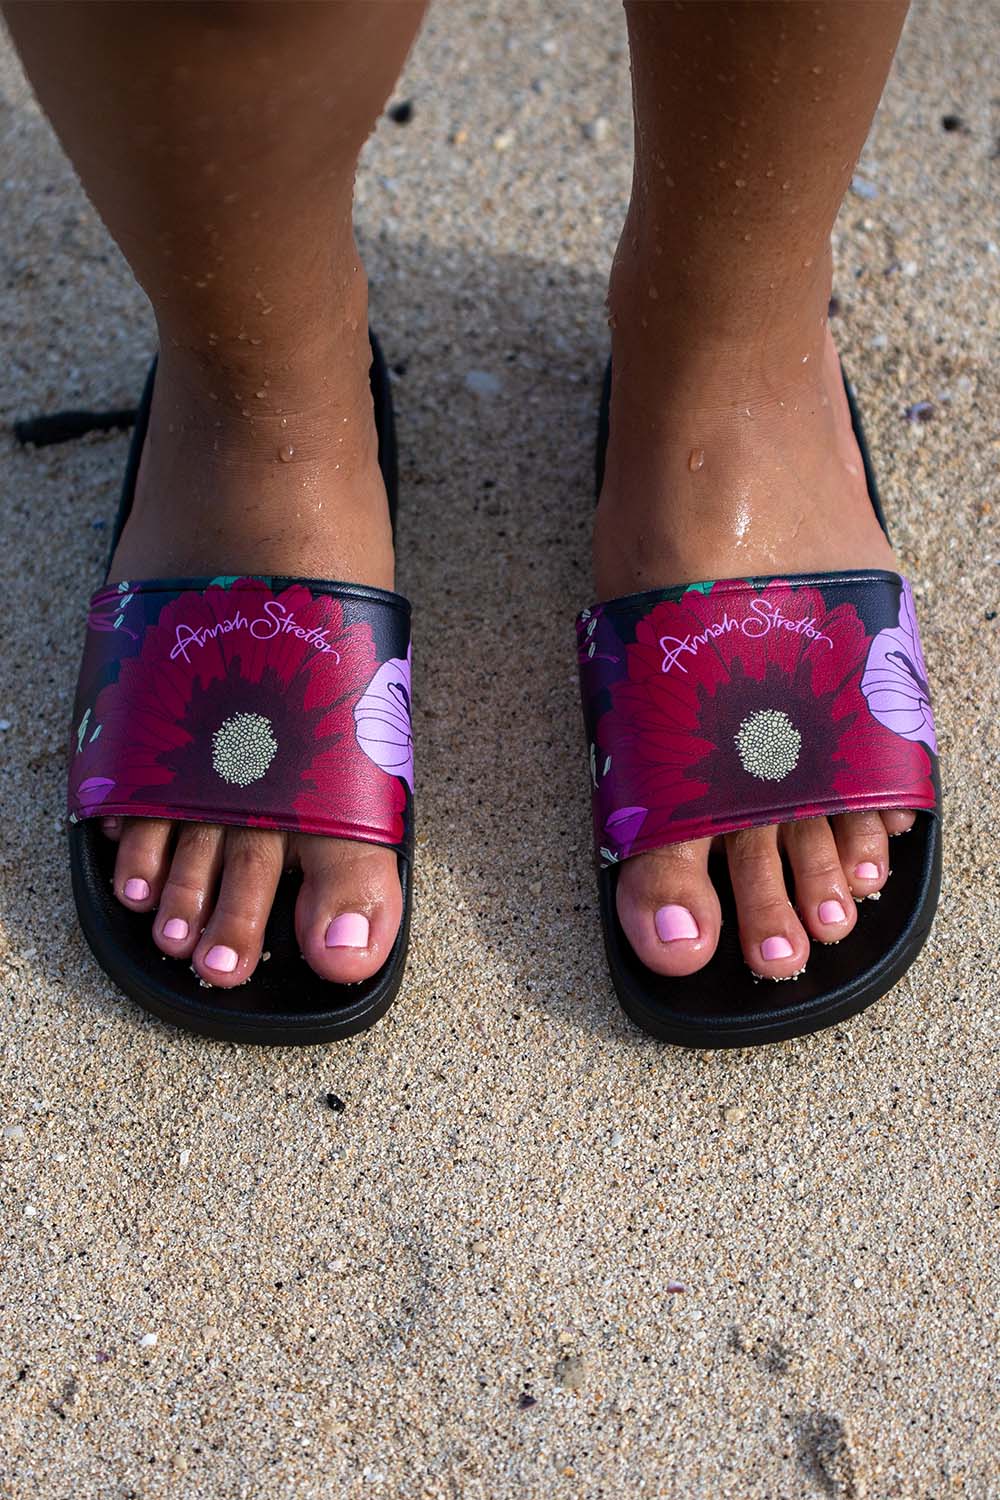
x=216, y=1287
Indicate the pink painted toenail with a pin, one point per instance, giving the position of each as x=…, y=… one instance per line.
x=831, y=911
x=136, y=889
x=776, y=947
x=349, y=930
x=176, y=929
x=222, y=958
x=866, y=870
x=673, y=922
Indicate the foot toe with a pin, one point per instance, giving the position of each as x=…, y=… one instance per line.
x=822, y=891
x=141, y=862
x=864, y=851
x=349, y=908
x=189, y=888
x=668, y=908
x=897, y=821
x=229, y=949
x=774, y=942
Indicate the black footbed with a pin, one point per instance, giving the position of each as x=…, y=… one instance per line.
x=284, y=1002
x=724, y=1004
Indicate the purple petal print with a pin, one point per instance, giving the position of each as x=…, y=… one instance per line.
x=382, y=719
x=621, y=828
x=94, y=789
x=895, y=678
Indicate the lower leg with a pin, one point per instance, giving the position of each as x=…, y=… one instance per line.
x=219, y=142
x=731, y=449
x=749, y=118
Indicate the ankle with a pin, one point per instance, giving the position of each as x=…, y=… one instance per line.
x=742, y=328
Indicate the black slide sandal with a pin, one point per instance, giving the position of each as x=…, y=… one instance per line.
x=656, y=671
x=343, y=710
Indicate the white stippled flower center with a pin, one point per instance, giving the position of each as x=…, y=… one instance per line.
x=768, y=744
x=242, y=748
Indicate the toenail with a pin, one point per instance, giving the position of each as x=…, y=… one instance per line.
x=673, y=922
x=136, y=889
x=176, y=929
x=776, y=947
x=222, y=958
x=349, y=930
x=866, y=870
x=831, y=912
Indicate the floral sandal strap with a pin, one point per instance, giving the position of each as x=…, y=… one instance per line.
x=717, y=706
x=265, y=702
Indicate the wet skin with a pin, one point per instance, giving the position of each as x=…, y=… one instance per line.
x=731, y=452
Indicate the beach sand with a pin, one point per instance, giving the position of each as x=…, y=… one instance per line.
x=537, y=1254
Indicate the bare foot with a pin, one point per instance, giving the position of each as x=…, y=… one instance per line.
x=253, y=465
x=743, y=463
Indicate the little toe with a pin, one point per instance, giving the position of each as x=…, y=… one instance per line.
x=229, y=949
x=822, y=892
x=774, y=942
x=898, y=820
x=141, y=862
x=188, y=891
x=349, y=908
x=668, y=908
x=864, y=852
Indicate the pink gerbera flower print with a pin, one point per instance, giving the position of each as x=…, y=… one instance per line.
x=746, y=698
x=225, y=698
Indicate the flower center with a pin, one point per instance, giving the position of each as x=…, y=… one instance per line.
x=768, y=744
x=242, y=748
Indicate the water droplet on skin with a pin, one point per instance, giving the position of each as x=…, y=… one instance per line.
x=805, y=359
x=785, y=186
x=807, y=263
x=260, y=395
x=284, y=421
x=245, y=412
x=741, y=182
x=696, y=459
x=286, y=453
x=654, y=294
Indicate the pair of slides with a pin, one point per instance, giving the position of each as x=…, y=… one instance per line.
x=710, y=706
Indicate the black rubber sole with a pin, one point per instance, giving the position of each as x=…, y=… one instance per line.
x=284, y=1003
x=724, y=1004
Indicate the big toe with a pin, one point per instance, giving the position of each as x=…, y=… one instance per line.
x=349, y=908
x=668, y=908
